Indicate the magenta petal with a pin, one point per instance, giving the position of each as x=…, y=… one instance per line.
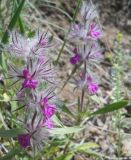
x=29, y=83
x=49, y=123
x=93, y=88
x=24, y=140
x=49, y=110
x=75, y=59
x=95, y=31
x=26, y=73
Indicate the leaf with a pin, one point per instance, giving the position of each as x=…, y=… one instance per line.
x=96, y=154
x=10, y=133
x=10, y=27
x=57, y=121
x=66, y=110
x=87, y=146
x=13, y=21
x=5, y=98
x=67, y=156
x=65, y=130
x=110, y=107
x=22, y=30
x=11, y=154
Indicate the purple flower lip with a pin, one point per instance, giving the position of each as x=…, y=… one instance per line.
x=94, y=31
x=24, y=140
x=49, y=123
x=76, y=58
x=92, y=87
x=29, y=82
x=47, y=108
x=48, y=111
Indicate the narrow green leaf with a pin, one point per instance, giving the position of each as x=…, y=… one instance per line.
x=65, y=130
x=11, y=154
x=57, y=121
x=13, y=21
x=95, y=154
x=87, y=146
x=10, y=133
x=110, y=107
x=66, y=110
x=22, y=30
x=67, y=156
x=10, y=28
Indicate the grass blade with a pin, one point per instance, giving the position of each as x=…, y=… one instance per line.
x=13, y=21
x=110, y=108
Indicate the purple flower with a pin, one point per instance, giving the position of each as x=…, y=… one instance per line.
x=18, y=45
x=90, y=52
x=76, y=58
x=43, y=40
x=24, y=140
x=85, y=82
x=26, y=47
x=88, y=12
x=47, y=108
x=75, y=30
x=92, y=87
x=29, y=82
x=94, y=31
x=49, y=123
x=34, y=73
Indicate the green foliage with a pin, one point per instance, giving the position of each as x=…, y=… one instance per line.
x=12, y=153
x=63, y=144
x=86, y=146
x=11, y=26
x=65, y=130
x=10, y=133
x=110, y=108
x=67, y=156
x=13, y=21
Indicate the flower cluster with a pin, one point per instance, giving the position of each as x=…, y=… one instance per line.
x=35, y=81
x=87, y=50
x=85, y=81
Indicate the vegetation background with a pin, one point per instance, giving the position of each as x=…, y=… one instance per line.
x=109, y=135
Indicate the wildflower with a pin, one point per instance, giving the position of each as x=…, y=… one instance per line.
x=92, y=87
x=18, y=45
x=90, y=52
x=76, y=58
x=28, y=82
x=94, y=31
x=85, y=81
x=47, y=108
x=24, y=140
x=35, y=76
x=35, y=72
x=87, y=29
x=26, y=47
x=88, y=12
x=43, y=40
x=36, y=131
x=48, y=123
x=83, y=33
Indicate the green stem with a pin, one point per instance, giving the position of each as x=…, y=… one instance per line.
x=65, y=40
x=83, y=91
x=82, y=99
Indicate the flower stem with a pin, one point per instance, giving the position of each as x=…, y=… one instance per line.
x=65, y=40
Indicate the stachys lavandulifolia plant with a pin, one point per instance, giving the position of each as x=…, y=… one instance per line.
x=35, y=81
x=86, y=51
